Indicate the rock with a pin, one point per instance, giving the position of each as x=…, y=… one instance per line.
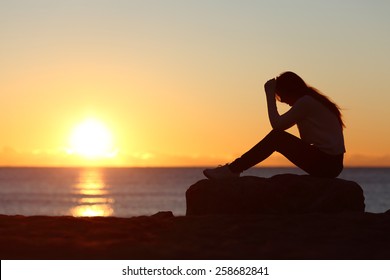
x=280, y=194
x=163, y=215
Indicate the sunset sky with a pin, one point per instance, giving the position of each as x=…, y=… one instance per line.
x=180, y=83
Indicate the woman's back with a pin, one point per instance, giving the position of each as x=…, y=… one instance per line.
x=319, y=126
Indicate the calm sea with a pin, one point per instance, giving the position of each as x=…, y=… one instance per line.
x=126, y=192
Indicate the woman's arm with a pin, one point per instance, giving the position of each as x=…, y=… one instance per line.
x=273, y=114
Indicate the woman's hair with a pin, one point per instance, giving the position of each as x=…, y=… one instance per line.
x=290, y=84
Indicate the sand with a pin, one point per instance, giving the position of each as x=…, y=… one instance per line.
x=309, y=236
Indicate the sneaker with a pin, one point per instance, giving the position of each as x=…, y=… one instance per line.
x=221, y=172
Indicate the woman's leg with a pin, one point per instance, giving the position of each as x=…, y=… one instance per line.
x=302, y=154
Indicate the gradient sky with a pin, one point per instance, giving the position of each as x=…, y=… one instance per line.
x=181, y=82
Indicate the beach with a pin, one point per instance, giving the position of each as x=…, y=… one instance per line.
x=164, y=236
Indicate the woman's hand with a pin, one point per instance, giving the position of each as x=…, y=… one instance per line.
x=270, y=87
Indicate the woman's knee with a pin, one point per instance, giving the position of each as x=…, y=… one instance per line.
x=281, y=137
x=277, y=134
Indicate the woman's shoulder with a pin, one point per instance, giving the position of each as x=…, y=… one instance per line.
x=305, y=101
x=311, y=105
x=308, y=101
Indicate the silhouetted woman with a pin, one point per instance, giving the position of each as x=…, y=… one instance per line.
x=319, y=151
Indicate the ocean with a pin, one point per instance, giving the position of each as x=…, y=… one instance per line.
x=127, y=192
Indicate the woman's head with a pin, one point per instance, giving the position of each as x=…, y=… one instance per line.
x=290, y=87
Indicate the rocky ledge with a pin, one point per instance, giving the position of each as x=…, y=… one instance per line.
x=364, y=236
x=280, y=194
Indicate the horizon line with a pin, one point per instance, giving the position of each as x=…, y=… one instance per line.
x=176, y=166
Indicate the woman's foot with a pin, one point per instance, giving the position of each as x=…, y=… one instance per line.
x=221, y=172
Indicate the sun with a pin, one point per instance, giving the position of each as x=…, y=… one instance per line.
x=92, y=139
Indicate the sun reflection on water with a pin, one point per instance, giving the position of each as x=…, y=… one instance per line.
x=94, y=200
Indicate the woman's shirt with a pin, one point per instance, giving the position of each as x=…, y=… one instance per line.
x=317, y=125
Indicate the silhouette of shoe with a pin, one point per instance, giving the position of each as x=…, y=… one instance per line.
x=221, y=172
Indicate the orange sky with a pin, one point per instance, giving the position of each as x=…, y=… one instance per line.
x=180, y=83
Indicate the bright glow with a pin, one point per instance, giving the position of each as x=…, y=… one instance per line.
x=94, y=210
x=92, y=139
